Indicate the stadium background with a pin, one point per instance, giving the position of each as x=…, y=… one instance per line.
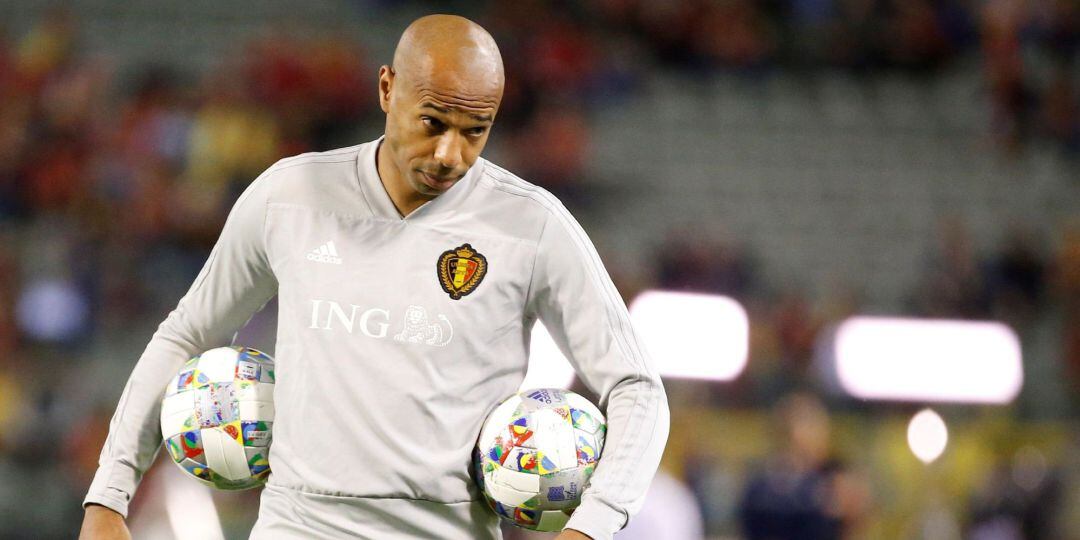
x=811, y=158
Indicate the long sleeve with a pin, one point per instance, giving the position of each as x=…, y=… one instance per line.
x=572, y=294
x=235, y=282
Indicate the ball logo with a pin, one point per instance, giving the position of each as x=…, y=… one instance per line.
x=556, y=494
x=247, y=370
x=542, y=395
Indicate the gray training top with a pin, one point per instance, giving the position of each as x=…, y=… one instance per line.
x=386, y=363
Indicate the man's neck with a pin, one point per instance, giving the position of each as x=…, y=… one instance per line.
x=405, y=199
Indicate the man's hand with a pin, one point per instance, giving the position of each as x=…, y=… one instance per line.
x=571, y=534
x=100, y=523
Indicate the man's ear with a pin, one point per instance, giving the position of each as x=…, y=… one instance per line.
x=386, y=84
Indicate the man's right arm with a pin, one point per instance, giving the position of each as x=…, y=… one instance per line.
x=103, y=523
x=235, y=282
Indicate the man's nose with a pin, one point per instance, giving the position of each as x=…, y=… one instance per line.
x=448, y=150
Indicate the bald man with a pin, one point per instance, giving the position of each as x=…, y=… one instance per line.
x=409, y=273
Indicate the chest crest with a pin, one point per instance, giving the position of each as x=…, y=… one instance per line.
x=460, y=270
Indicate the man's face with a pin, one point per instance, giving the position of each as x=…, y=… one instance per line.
x=435, y=131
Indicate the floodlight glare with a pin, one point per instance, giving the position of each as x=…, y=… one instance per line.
x=927, y=435
x=695, y=336
x=928, y=360
x=548, y=368
x=189, y=507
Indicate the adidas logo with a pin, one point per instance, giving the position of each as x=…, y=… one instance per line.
x=325, y=253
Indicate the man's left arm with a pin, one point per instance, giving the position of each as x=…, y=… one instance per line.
x=572, y=294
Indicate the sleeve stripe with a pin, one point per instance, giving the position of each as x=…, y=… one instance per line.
x=148, y=440
x=618, y=319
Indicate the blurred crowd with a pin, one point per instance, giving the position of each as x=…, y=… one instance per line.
x=114, y=185
x=1026, y=50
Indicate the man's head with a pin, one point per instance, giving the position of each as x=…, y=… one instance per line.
x=440, y=98
x=802, y=427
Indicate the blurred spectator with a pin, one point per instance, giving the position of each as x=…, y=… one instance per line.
x=801, y=491
x=916, y=38
x=1020, y=500
x=1016, y=280
x=952, y=286
x=552, y=150
x=1014, y=34
x=318, y=87
x=48, y=46
x=747, y=40
x=563, y=57
x=692, y=261
x=1067, y=289
x=232, y=139
x=1060, y=111
x=715, y=484
x=52, y=310
x=798, y=328
x=155, y=121
x=669, y=512
x=8, y=292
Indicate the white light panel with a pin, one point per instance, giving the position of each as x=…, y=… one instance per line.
x=928, y=360
x=190, y=507
x=548, y=368
x=693, y=336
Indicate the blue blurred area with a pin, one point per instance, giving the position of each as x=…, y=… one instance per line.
x=811, y=158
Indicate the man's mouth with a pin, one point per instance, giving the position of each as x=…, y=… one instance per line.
x=440, y=183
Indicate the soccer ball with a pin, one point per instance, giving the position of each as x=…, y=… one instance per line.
x=216, y=417
x=535, y=455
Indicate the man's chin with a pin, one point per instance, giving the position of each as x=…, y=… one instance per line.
x=434, y=184
x=427, y=191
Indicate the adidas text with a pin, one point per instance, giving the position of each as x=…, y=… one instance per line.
x=326, y=253
x=323, y=258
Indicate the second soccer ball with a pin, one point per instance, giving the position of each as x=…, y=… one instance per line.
x=216, y=417
x=535, y=455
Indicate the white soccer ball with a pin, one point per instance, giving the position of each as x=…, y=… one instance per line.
x=535, y=455
x=216, y=417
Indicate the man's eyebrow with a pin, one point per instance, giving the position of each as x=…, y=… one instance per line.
x=444, y=110
x=429, y=105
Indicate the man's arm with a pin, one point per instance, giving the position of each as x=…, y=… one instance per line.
x=235, y=282
x=571, y=534
x=574, y=297
x=103, y=523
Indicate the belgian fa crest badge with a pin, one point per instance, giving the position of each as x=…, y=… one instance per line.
x=461, y=270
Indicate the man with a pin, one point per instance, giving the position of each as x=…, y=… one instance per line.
x=409, y=273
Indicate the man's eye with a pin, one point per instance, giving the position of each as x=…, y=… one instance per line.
x=430, y=122
x=477, y=131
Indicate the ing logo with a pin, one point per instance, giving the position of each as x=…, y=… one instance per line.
x=415, y=325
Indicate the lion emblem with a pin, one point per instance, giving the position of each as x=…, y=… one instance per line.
x=420, y=329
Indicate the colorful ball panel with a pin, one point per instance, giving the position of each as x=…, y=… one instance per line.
x=535, y=454
x=217, y=417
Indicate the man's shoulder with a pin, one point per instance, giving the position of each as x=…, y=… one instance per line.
x=339, y=155
x=511, y=190
x=312, y=175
